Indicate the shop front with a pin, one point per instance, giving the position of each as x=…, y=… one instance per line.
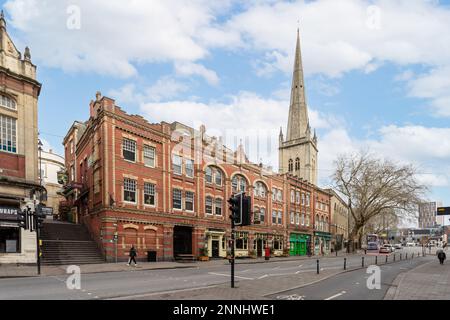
x=322, y=243
x=241, y=244
x=260, y=242
x=216, y=243
x=16, y=244
x=299, y=244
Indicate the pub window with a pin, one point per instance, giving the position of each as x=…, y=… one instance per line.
x=241, y=242
x=149, y=194
x=176, y=164
x=208, y=205
x=129, y=190
x=8, y=134
x=129, y=149
x=189, y=168
x=9, y=240
x=278, y=244
x=176, y=199
x=189, y=201
x=149, y=156
x=218, y=207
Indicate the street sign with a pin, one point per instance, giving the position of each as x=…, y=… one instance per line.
x=443, y=211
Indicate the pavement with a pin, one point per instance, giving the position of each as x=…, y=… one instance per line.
x=14, y=271
x=430, y=281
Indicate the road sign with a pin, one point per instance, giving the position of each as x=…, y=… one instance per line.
x=443, y=211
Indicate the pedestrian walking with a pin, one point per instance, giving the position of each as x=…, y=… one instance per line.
x=133, y=255
x=441, y=256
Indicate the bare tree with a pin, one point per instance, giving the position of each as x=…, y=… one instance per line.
x=373, y=187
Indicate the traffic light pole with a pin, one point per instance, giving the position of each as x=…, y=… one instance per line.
x=232, y=251
x=38, y=250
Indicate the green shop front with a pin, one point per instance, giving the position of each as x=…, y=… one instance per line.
x=299, y=243
x=322, y=241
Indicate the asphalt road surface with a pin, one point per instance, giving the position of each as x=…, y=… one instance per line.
x=135, y=282
x=352, y=285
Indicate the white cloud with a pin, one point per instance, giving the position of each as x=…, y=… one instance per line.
x=189, y=68
x=246, y=114
x=115, y=36
x=164, y=88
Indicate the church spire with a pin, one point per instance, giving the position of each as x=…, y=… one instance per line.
x=298, y=114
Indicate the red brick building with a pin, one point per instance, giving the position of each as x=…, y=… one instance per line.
x=164, y=186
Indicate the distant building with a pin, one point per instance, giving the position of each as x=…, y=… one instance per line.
x=50, y=164
x=427, y=215
x=339, y=220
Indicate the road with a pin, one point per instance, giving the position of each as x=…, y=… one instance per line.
x=352, y=285
x=135, y=282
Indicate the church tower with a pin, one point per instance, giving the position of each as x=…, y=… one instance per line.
x=298, y=152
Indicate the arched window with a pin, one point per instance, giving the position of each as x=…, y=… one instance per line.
x=260, y=190
x=7, y=102
x=290, y=165
x=213, y=175
x=297, y=164
x=239, y=183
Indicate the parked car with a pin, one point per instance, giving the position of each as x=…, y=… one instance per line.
x=410, y=244
x=389, y=246
x=384, y=249
x=397, y=246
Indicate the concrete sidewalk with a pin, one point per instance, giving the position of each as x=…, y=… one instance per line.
x=430, y=281
x=12, y=270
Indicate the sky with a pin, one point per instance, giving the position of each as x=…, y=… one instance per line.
x=377, y=73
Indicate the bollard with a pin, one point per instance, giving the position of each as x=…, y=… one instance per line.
x=394, y=257
x=376, y=260
x=317, y=266
x=362, y=262
x=400, y=256
x=386, y=259
x=345, y=263
x=406, y=256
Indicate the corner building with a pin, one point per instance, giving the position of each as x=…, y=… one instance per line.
x=164, y=187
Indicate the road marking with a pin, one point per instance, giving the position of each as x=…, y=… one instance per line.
x=336, y=295
x=300, y=266
x=264, y=276
x=246, y=270
x=298, y=272
x=277, y=267
x=227, y=275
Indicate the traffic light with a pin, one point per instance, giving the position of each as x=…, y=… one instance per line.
x=40, y=219
x=240, y=207
x=22, y=218
x=235, y=208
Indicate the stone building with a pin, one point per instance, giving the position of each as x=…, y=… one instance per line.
x=50, y=164
x=427, y=215
x=298, y=151
x=340, y=219
x=19, y=183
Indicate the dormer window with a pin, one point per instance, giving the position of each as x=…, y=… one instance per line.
x=7, y=102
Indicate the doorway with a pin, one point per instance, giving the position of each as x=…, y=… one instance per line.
x=182, y=240
x=215, y=248
x=259, y=247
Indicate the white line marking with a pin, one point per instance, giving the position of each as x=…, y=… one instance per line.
x=336, y=295
x=300, y=266
x=297, y=272
x=227, y=275
x=264, y=276
x=246, y=270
